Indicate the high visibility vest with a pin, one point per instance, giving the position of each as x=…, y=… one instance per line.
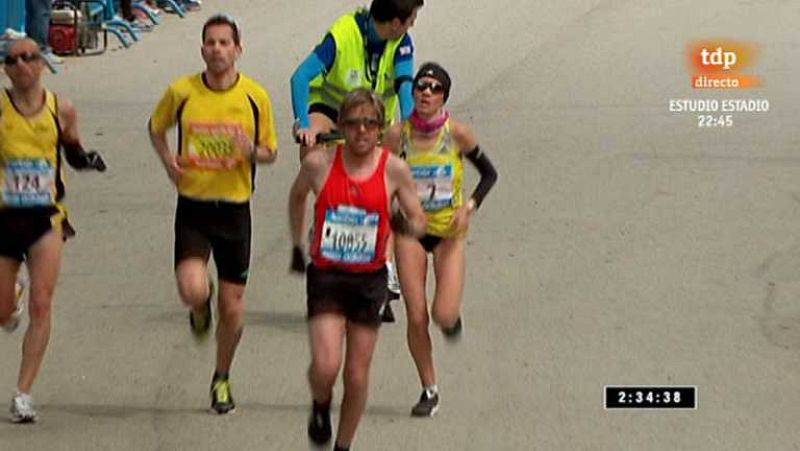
x=350, y=69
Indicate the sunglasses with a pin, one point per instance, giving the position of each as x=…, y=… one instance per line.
x=369, y=123
x=436, y=88
x=11, y=60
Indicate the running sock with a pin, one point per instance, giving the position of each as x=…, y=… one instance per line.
x=431, y=389
x=220, y=375
x=321, y=407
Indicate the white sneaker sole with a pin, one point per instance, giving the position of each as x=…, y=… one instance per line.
x=22, y=420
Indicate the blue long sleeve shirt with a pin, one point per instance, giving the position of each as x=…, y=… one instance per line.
x=321, y=60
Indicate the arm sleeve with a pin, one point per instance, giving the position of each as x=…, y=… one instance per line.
x=404, y=76
x=403, y=71
x=301, y=81
x=75, y=155
x=487, y=172
x=319, y=62
x=81, y=159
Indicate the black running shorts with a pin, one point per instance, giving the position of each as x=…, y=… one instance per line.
x=21, y=228
x=221, y=228
x=359, y=297
x=429, y=242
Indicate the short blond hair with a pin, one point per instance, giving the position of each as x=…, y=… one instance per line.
x=358, y=97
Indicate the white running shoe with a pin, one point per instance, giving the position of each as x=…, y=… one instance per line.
x=12, y=34
x=22, y=410
x=427, y=406
x=19, y=293
x=392, y=282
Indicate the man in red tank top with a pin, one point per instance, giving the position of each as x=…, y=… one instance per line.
x=354, y=185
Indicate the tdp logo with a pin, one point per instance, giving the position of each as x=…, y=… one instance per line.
x=718, y=58
x=719, y=64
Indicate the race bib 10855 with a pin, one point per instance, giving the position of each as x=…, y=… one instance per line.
x=349, y=235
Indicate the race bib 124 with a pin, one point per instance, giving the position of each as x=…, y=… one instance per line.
x=28, y=183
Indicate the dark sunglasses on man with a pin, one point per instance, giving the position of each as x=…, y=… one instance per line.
x=11, y=60
x=435, y=88
x=368, y=123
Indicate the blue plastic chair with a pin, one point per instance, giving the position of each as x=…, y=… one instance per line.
x=142, y=6
x=174, y=6
x=112, y=20
x=103, y=14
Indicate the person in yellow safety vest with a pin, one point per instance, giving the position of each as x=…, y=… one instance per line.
x=364, y=49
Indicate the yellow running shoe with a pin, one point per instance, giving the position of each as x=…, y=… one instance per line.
x=200, y=322
x=221, y=399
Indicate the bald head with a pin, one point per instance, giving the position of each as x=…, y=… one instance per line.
x=24, y=64
x=24, y=45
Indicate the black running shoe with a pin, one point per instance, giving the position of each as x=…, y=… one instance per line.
x=319, y=425
x=200, y=322
x=388, y=315
x=453, y=333
x=427, y=406
x=221, y=399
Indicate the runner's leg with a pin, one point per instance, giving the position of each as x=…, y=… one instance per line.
x=449, y=266
x=9, y=268
x=412, y=263
x=361, y=340
x=192, y=278
x=326, y=336
x=44, y=264
x=229, y=327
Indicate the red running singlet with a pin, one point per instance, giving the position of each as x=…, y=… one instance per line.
x=351, y=219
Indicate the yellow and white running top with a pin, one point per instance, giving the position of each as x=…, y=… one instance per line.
x=438, y=173
x=210, y=124
x=31, y=169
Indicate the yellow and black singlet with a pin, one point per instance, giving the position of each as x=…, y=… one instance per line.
x=209, y=124
x=31, y=169
x=438, y=173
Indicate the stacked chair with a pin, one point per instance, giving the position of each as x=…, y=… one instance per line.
x=80, y=27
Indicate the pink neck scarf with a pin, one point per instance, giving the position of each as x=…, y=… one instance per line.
x=428, y=126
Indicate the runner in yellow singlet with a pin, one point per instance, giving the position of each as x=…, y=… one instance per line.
x=35, y=125
x=434, y=146
x=225, y=126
